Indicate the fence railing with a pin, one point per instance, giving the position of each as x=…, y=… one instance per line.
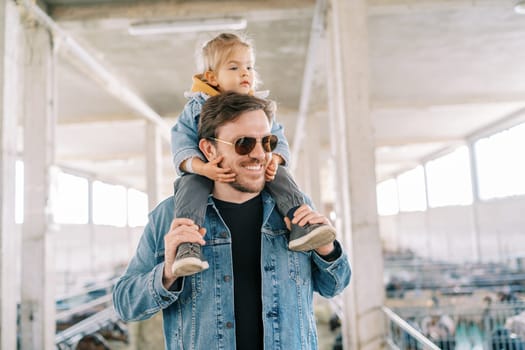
x=461, y=326
x=70, y=336
x=88, y=316
x=402, y=335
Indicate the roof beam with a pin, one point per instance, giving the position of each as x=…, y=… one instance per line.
x=385, y=7
x=316, y=31
x=106, y=118
x=251, y=10
x=73, y=51
x=448, y=102
x=412, y=141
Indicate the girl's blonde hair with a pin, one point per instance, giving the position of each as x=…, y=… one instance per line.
x=216, y=51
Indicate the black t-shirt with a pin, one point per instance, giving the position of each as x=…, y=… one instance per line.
x=244, y=221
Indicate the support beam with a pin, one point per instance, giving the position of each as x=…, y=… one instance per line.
x=511, y=120
x=10, y=102
x=316, y=32
x=342, y=192
x=446, y=104
x=355, y=161
x=37, y=313
x=417, y=141
x=384, y=7
x=474, y=180
x=153, y=165
x=78, y=55
x=146, y=9
x=313, y=162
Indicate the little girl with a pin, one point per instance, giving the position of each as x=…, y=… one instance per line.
x=228, y=66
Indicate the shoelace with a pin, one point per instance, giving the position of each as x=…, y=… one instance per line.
x=193, y=249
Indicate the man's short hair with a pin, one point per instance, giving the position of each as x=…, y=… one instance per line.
x=227, y=107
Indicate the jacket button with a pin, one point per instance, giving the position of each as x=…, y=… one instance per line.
x=224, y=234
x=227, y=278
x=229, y=325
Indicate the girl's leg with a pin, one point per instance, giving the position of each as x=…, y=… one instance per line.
x=190, y=193
x=288, y=198
x=190, y=201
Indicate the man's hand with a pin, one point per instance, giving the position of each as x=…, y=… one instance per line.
x=214, y=172
x=306, y=215
x=181, y=230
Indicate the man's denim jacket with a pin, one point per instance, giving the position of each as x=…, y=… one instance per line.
x=185, y=139
x=199, y=311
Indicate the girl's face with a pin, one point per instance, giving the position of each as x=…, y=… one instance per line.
x=236, y=73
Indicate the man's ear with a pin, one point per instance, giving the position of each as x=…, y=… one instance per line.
x=211, y=78
x=208, y=149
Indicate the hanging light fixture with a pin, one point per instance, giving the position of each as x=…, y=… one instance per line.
x=519, y=7
x=188, y=26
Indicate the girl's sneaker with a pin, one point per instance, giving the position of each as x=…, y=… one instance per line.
x=189, y=260
x=310, y=236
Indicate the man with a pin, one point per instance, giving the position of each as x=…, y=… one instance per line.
x=256, y=293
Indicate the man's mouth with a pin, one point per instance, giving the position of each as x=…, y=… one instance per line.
x=253, y=167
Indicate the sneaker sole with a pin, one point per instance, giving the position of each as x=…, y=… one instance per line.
x=188, y=266
x=315, y=239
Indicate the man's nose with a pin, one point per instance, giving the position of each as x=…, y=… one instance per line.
x=258, y=151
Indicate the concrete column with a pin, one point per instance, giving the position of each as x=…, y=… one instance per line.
x=300, y=173
x=38, y=305
x=313, y=163
x=91, y=227
x=10, y=103
x=356, y=182
x=474, y=177
x=148, y=333
x=153, y=164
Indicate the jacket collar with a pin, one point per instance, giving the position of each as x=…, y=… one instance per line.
x=200, y=86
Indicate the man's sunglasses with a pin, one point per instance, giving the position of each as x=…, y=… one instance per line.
x=244, y=145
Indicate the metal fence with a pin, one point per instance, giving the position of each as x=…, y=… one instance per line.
x=404, y=335
x=499, y=326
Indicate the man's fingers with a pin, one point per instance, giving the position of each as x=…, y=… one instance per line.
x=180, y=221
x=185, y=233
x=300, y=213
x=304, y=215
x=313, y=218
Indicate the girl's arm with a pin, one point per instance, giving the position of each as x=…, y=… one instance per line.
x=187, y=156
x=211, y=169
x=283, y=149
x=184, y=137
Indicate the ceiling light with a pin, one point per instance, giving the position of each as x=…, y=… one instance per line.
x=186, y=26
x=519, y=7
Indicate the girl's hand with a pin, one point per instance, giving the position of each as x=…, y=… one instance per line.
x=271, y=169
x=213, y=172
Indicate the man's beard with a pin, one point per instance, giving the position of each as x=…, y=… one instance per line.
x=245, y=186
x=254, y=188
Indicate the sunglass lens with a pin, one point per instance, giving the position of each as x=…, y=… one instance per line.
x=245, y=145
x=269, y=143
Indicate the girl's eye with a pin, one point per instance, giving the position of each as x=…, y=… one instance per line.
x=233, y=68
x=249, y=68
